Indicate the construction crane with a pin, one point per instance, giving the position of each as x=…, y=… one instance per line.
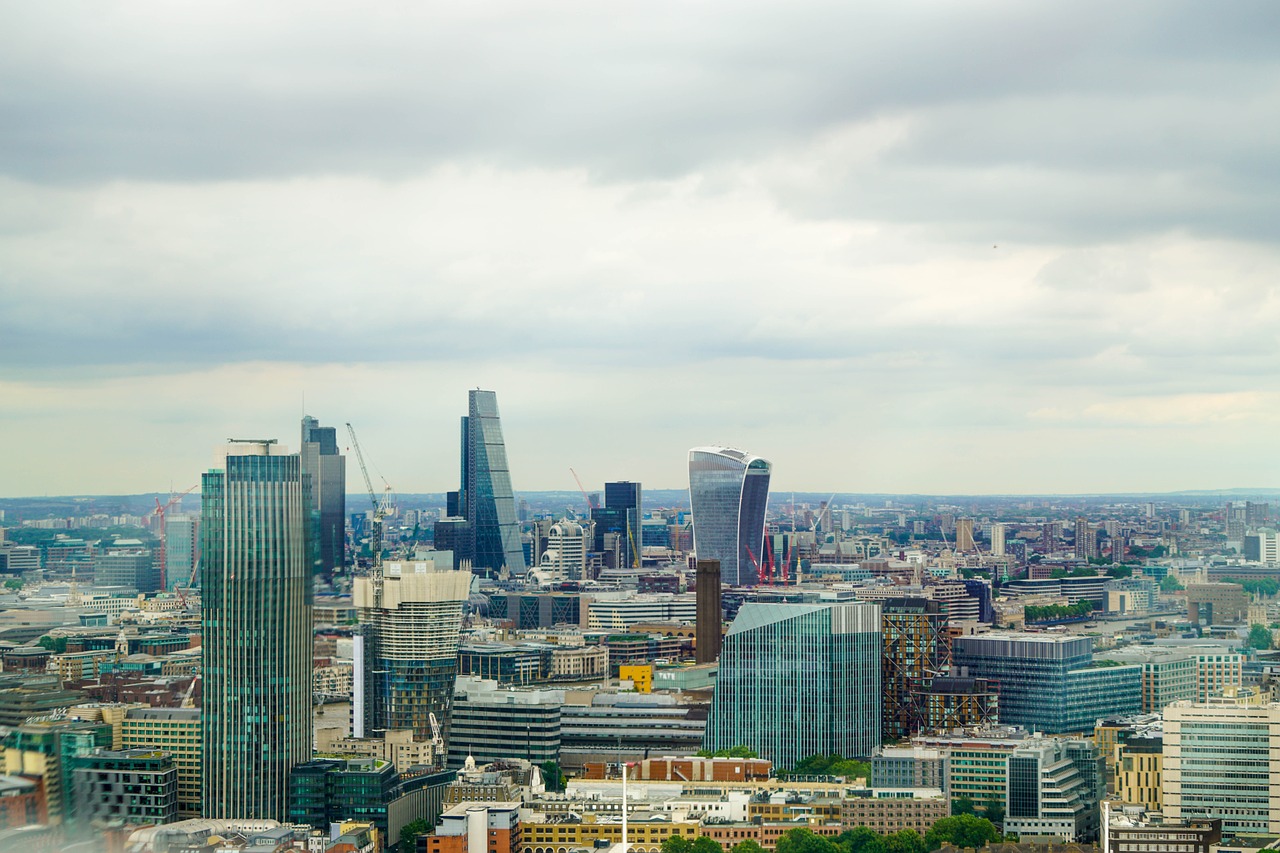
x=158, y=515
x=381, y=509
x=585, y=499
x=635, y=552
x=437, y=739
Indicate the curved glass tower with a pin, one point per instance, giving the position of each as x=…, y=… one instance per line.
x=728, y=491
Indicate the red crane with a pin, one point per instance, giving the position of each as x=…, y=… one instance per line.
x=158, y=514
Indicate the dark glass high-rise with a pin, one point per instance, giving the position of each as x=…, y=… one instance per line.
x=486, y=499
x=326, y=513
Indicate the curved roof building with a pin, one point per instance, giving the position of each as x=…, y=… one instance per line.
x=728, y=491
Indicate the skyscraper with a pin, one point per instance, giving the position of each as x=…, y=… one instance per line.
x=964, y=535
x=181, y=549
x=256, y=622
x=621, y=515
x=915, y=650
x=997, y=540
x=797, y=680
x=326, y=513
x=407, y=648
x=728, y=492
x=485, y=498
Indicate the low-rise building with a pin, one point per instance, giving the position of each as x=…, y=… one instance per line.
x=129, y=786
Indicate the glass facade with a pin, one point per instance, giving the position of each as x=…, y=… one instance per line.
x=486, y=499
x=728, y=492
x=1048, y=684
x=797, y=680
x=327, y=508
x=408, y=651
x=329, y=790
x=256, y=620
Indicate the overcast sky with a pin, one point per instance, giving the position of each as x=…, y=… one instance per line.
x=906, y=247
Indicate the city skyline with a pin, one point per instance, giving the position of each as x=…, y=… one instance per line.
x=921, y=249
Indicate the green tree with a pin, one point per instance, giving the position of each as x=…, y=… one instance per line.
x=1259, y=637
x=677, y=844
x=410, y=832
x=1170, y=584
x=748, y=846
x=552, y=776
x=961, y=805
x=57, y=645
x=830, y=765
x=802, y=840
x=703, y=844
x=905, y=841
x=13, y=584
x=732, y=752
x=964, y=830
x=993, y=810
x=860, y=839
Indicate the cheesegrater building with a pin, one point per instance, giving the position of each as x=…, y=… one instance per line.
x=728, y=493
x=797, y=680
x=256, y=621
x=491, y=538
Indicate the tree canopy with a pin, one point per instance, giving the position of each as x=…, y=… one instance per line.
x=732, y=752
x=802, y=840
x=409, y=834
x=1259, y=637
x=964, y=830
x=830, y=765
x=1054, y=612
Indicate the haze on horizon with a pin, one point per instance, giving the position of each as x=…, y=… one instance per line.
x=990, y=248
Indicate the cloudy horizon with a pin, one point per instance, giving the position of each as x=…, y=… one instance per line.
x=984, y=248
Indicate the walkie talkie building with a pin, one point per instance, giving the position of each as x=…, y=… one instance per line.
x=728, y=491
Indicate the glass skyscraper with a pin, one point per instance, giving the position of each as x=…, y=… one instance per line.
x=485, y=499
x=798, y=680
x=621, y=515
x=1049, y=683
x=728, y=492
x=407, y=647
x=256, y=622
x=326, y=513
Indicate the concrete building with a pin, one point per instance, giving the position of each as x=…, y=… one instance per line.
x=479, y=827
x=565, y=556
x=799, y=679
x=1139, y=772
x=406, y=651
x=132, y=786
x=21, y=802
x=1221, y=760
x=1217, y=603
x=175, y=731
x=489, y=724
x=1168, y=674
x=619, y=612
x=1132, y=830
x=1054, y=787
